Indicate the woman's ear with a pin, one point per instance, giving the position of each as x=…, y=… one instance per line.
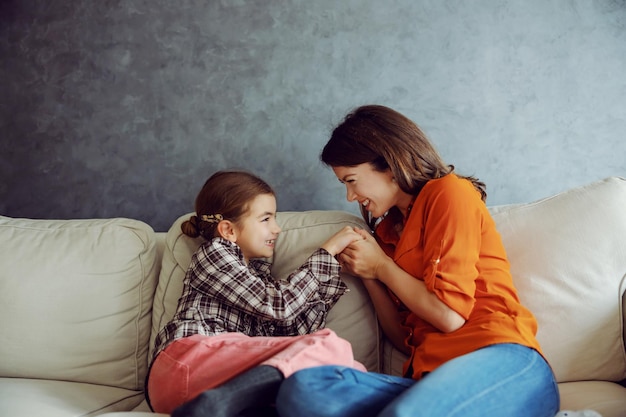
x=227, y=230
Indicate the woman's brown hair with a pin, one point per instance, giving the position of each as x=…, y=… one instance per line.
x=225, y=195
x=388, y=140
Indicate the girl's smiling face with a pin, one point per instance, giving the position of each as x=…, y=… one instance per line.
x=257, y=231
x=376, y=191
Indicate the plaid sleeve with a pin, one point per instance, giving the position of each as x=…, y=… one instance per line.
x=326, y=269
x=322, y=268
x=218, y=271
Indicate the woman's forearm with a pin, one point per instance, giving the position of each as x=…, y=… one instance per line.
x=416, y=297
x=387, y=314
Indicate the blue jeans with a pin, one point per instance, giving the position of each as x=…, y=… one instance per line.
x=504, y=380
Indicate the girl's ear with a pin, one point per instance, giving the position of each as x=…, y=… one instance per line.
x=227, y=230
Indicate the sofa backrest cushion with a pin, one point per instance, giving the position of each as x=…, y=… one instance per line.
x=568, y=260
x=76, y=299
x=352, y=318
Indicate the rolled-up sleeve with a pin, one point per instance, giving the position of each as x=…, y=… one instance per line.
x=452, y=241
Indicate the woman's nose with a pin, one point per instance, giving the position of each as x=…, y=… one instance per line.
x=350, y=196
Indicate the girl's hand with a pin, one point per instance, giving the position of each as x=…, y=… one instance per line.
x=340, y=240
x=363, y=258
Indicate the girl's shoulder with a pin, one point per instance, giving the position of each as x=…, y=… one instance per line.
x=218, y=247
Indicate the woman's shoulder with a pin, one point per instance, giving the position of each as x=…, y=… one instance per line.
x=449, y=185
x=450, y=193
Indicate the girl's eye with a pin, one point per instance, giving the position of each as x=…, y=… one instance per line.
x=265, y=219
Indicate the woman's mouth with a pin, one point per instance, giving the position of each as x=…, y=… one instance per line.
x=365, y=203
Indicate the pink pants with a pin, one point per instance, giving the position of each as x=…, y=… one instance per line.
x=193, y=364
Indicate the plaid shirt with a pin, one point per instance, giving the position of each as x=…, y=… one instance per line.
x=223, y=294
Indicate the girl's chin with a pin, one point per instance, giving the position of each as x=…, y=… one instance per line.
x=263, y=254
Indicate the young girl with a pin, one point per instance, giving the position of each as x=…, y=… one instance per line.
x=238, y=332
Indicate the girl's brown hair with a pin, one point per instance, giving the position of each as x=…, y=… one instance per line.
x=388, y=140
x=225, y=195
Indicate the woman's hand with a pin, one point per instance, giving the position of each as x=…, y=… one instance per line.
x=363, y=258
x=338, y=242
x=366, y=259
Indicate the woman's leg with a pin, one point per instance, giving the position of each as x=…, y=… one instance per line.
x=337, y=391
x=500, y=380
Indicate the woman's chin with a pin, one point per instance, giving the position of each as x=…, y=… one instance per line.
x=374, y=213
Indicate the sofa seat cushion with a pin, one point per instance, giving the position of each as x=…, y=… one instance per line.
x=607, y=398
x=352, y=318
x=37, y=397
x=76, y=300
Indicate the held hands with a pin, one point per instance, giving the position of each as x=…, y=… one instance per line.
x=340, y=240
x=363, y=258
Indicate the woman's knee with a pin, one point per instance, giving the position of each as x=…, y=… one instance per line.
x=338, y=391
x=501, y=380
x=301, y=393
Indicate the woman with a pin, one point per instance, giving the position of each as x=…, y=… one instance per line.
x=437, y=273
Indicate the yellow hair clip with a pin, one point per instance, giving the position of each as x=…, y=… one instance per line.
x=212, y=218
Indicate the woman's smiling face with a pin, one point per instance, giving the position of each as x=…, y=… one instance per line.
x=376, y=191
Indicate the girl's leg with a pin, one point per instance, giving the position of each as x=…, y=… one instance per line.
x=251, y=390
x=322, y=347
x=337, y=391
x=192, y=365
x=500, y=380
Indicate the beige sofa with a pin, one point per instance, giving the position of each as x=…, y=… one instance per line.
x=81, y=300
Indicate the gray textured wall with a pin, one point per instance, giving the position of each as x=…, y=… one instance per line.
x=123, y=108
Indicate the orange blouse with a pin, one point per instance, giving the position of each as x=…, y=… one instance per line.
x=451, y=243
